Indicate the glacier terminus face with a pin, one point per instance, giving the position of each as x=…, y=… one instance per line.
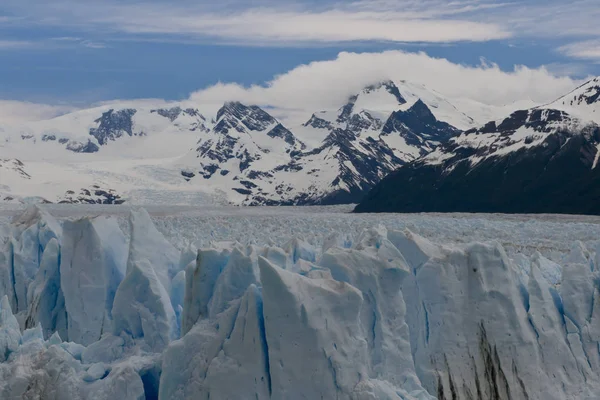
x=282, y=303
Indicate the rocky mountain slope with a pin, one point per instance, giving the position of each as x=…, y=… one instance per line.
x=346, y=153
x=541, y=160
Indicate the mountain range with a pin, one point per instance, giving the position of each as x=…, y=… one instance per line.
x=540, y=160
x=178, y=154
x=433, y=156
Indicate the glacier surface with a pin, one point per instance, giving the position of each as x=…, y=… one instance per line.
x=280, y=304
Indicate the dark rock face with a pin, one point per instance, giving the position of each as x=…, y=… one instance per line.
x=318, y=123
x=187, y=175
x=557, y=174
x=237, y=116
x=113, y=124
x=15, y=165
x=175, y=112
x=78, y=147
x=391, y=89
x=346, y=111
x=282, y=132
x=418, y=124
x=588, y=93
x=171, y=113
x=93, y=195
x=363, y=121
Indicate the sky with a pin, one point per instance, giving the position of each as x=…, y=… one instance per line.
x=60, y=54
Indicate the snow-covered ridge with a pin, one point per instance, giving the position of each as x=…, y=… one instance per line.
x=385, y=315
x=583, y=102
x=334, y=157
x=522, y=130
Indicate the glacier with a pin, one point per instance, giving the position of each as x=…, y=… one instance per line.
x=114, y=307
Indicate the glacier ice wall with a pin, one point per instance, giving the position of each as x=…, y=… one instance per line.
x=88, y=312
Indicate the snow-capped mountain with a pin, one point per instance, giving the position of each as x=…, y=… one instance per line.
x=147, y=152
x=85, y=131
x=334, y=157
x=538, y=160
x=97, y=155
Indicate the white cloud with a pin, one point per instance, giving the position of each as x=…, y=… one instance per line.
x=12, y=111
x=327, y=84
x=586, y=50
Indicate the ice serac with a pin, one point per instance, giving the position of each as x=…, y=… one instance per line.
x=23, y=248
x=579, y=291
x=200, y=280
x=147, y=243
x=93, y=264
x=378, y=270
x=201, y=364
x=46, y=298
x=46, y=370
x=300, y=250
x=178, y=297
x=186, y=362
x=512, y=341
x=311, y=356
x=244, y=354
x=239, y=273
x=10, y=334
x=142, y=308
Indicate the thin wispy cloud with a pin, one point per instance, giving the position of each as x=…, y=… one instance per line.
x=586, y=50
x=15, y=44
x=552, y=18
x=288, y=22
x=407, y=21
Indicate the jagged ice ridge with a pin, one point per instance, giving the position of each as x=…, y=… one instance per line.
x=88, y=311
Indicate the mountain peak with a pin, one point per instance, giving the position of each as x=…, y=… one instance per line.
x=417, y=124
x=382, y=96
x=389, y=86
x=235, y=115
x=590, y=92
x=583, y=102
x=113, y=124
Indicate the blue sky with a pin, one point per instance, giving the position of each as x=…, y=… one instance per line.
x=83, y=51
